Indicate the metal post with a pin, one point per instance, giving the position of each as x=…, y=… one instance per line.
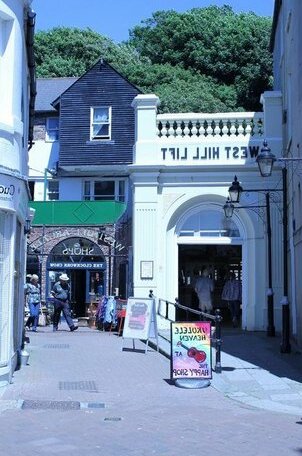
x=43, y=283
x=218, y=319
x=285, y=344
x=270, y=294
x=109, y=270
x=45, y=184
x=176, y=309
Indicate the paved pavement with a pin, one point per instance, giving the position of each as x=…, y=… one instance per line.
x=81, y=394
x=255, y=372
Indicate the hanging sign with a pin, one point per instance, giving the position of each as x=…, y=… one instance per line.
x=191, y=350
x=140, y=320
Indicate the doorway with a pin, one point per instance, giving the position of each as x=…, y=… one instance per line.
x=219, y=260
x=78, y=292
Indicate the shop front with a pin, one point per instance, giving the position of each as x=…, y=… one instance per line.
x=83, y=261
x=92, y=261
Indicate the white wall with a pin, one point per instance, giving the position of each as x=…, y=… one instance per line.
x=71, y=189
x=166, y=188
x=14, y=121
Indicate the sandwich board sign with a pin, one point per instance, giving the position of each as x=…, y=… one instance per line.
x=191, y=355
x=140, y=321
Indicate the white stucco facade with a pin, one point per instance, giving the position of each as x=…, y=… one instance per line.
x=287, y=57
x=14, y=126
x=183, y=168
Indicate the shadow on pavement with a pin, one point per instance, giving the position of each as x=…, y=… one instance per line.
x=262, y=352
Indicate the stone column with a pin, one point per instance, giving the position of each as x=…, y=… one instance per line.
x=145, y=188
x=145, y=107
x=273, y=127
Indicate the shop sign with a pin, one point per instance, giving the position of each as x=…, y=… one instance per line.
x=9, y=192
x=191, y=350
x=110, y=241
x=76, y=249
x=212, y=153
x=65, y=233
x=70, y=265
x=140, y=321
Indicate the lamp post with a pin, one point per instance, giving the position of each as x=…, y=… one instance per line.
x=27, y=226
x=266, y=160
x=228, y=212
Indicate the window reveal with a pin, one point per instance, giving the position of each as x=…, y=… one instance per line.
x=104, y=190
x=53, y=190
x=100, y=123
x=52, y=129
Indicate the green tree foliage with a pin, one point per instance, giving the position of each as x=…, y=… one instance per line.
x=182, y=90
x=70, y=51
x=207, y=59
x=232, y=48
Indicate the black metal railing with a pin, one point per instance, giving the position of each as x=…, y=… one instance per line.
x=217, y=319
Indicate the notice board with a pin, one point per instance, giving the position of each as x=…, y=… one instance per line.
x=140, y=320
x=191, y=355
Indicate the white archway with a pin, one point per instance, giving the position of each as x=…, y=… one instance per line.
x=202, y=213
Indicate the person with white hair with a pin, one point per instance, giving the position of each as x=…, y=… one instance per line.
x=204, y=287
x=61, y=294
x=33, y=294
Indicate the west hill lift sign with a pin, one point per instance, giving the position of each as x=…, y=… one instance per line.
x=212, y=153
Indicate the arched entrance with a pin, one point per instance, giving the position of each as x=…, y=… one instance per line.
x=206, y=239
x=83, y=261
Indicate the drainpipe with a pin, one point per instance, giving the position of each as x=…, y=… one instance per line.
x=30, y=32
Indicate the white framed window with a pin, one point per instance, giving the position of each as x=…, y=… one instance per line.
x=100, y=123
x=52, y=129
x=53, y=190
x=209, y=223
x=105, y=190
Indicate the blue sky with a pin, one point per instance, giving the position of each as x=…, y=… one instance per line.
x=114, y=18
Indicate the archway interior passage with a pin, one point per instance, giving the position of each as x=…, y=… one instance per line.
x=219, y=260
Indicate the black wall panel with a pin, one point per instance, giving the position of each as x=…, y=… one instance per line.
x=100, y=86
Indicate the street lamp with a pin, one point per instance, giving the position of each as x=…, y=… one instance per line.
x=228, y=208
x=235, y=191
x=228, y=212
x=266, y=160
x=27, y=226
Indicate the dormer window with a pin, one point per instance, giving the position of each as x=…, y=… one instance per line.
x=100, y=123
x=52, y=129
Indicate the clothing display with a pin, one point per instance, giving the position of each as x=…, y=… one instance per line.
x=232, y=293
x=106, y=313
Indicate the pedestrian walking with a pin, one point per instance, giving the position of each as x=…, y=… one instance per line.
x=232, y=293
x=204, y=287
x=33, y=296
x=61, y=294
